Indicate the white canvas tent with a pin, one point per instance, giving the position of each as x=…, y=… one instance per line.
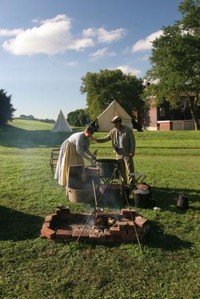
x=61, y=124
x=104, y=119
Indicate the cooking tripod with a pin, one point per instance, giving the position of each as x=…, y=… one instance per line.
x=109, y=182
x=116, y=173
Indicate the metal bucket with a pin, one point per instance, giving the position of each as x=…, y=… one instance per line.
x=80, y=196
x=107, y=167
x=81, y=193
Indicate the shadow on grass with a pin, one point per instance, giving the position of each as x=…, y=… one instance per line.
x=20, y=138
x=166, y=198
x=15, y=225
x=157, y=239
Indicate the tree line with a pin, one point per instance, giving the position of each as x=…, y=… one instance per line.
x=31, y=117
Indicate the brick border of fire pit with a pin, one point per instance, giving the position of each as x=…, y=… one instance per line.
x=125, y=226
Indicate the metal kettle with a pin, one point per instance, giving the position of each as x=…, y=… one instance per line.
x=182, y=202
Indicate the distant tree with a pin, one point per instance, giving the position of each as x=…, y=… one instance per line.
x=108, y=85
x=47, y=120
x=78, y=118
x=6, y=108
x=23, y=116
x=28, y=117
x=176, y=61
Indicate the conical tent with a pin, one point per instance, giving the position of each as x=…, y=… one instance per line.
x=114, y=109
x=61, y=124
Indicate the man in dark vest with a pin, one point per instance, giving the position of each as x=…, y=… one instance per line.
x=123, y=142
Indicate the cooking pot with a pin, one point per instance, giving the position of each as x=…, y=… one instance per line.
x=182, y=201
x=108, y=167
x=142, y=198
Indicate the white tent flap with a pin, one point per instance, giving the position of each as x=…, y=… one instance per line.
x=114, y=109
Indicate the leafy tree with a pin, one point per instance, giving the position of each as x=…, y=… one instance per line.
x=108, y=85
x=23, y=116
x=176, y=60
x=30, y=117
x=6, y=108
x=78, y=118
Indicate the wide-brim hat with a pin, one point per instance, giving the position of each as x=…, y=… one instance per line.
x=116, y=119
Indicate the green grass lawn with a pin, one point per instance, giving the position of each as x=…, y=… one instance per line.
x=166, y=266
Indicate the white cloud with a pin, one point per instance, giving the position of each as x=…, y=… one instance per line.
x=6, y=32
x=104, y=36
x=146, y=43
x=50, y=37
x=90, y=32
x=126, y=69
x=72, y=63
x=101, y=53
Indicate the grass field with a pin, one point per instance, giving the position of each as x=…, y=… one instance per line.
x=166, y=266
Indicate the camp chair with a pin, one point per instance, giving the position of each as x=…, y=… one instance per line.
x=54, y=158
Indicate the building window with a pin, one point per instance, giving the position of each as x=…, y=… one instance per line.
x=162, y=111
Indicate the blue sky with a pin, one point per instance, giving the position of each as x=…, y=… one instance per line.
x=46, y=46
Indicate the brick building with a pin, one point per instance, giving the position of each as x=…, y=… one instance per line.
x=165, y=118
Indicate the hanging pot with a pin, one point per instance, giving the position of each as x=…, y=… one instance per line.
x=107, y=167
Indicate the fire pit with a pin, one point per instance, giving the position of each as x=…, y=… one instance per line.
x=126, y=226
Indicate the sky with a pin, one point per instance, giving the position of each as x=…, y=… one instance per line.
x=47, y=46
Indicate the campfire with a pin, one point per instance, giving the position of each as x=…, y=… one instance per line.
x=125, y=226
x=102, y=186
